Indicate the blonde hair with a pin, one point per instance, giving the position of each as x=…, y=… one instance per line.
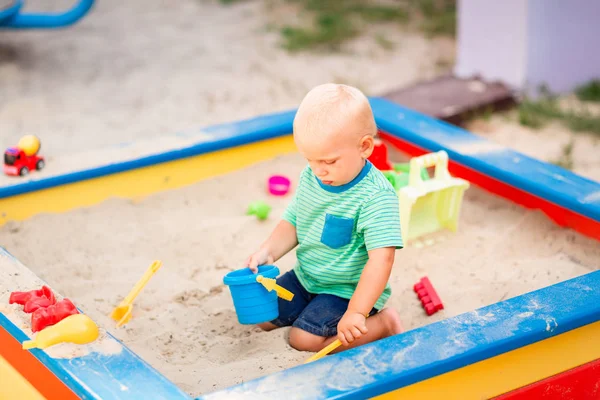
x=331, y=106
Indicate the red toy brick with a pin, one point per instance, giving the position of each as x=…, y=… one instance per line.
x=379, y=157
x=38, y=302
x=51, y=315
x=33, y=299
x=429, y=298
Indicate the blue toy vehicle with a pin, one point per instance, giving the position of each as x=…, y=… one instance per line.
x=11, y=16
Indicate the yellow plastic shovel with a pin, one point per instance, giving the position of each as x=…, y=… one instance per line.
x=122, y=313
x=326, y=350
x=270, y=284
x=431, y=205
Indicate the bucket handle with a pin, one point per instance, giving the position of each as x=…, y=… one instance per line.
x=270, y=284
x=438, y=159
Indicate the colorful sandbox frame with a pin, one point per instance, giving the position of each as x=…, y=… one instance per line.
x=547, y=338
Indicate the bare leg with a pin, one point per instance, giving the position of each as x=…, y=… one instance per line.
x=383, y=324
x=267, y=326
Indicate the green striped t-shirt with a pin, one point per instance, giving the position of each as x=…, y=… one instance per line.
x=337, y=226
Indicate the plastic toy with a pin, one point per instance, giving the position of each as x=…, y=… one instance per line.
x=255, y=295
x=325, y=350
x=51, y=315
x=122, y=313
x=396, y=173
x=395, y=179
x=404, y=168
x=77, y=328
x=260, y=209
x=12, y=17
x=400, y=175
x=379, y=157
x=271, y=284
x=429, y=298
x=427, y=206
x=279, y=185
x=33, y=299
x=23, y=158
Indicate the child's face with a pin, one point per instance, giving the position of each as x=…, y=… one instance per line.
x=338, y=157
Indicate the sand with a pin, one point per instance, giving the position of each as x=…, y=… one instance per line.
x=184, y=323
x=145, y=70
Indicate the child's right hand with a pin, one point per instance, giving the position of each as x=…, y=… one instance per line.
x=261, y=257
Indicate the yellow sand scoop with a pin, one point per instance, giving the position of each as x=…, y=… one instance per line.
x=122, y=313
x=431, y=205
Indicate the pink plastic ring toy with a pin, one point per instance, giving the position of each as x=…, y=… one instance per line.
x=279, y=185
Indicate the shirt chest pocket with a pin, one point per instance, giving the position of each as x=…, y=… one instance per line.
x=337, y=231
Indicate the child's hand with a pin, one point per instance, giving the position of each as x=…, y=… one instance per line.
x=261, y=257
x=351, y=327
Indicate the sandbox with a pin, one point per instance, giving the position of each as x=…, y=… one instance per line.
x=91, y=247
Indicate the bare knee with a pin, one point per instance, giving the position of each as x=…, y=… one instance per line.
x=304, y=341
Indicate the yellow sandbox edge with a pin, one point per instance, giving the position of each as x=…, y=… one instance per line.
x=515, y=369
x=141, y=182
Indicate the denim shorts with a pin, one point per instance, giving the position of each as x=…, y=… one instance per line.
x=318, y=314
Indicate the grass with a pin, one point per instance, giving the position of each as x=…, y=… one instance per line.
x=589, y=91
x=439, y=17
x=535, y=114
x=329, y=32
x=377, y=13
x=566, y=158
x=335, y=22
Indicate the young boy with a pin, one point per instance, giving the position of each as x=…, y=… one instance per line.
x=344, y=218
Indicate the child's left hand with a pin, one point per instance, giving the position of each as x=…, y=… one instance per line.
x=351, y=327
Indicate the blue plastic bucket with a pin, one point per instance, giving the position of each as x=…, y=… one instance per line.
x=253, y=303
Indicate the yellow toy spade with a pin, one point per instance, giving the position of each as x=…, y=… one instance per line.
x=122, y=313
x=270, y=284
x=326, y=350
x=76, y=328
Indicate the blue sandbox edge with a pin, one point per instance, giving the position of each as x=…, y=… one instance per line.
x=130, y=374
x=434, y=349
x=484, y=333
x=128, y=371
x=119, y=374
x=550, y=182
x=222, y=137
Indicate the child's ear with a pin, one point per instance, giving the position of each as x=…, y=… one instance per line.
x=367, y=145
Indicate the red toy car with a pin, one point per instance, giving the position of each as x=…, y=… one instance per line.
x=23, y=158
